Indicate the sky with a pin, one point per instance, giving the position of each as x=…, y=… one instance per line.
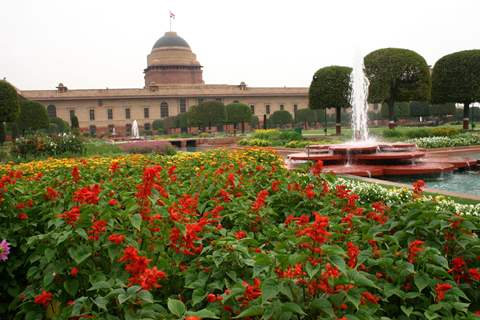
x=105, y=43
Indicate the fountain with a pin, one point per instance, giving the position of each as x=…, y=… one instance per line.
x=135, y=133
x=366, y=157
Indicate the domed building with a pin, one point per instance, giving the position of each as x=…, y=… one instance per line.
x=172, y=61
x=173, y=83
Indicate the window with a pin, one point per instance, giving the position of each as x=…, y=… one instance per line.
x=92, y=114
x=93, y=130
x=72, y=114
x=183, y=105
x=111, y=128
x=52, y=111
x=282, y=107
x=252, y=108
x=146, y=127
x=146, y=113
x=295, y=108
x=235, y=101
x=218, y=99
x=127, y=113
x=267, y=109
x=109, y=114
x=164, y=110
x=128, y=129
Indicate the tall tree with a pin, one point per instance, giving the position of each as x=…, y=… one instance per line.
x=456, y=79
x=9, y=103
x=281, y=118
x=33, y=116
x=396, y=75
x=330, y=88
x=237, y=113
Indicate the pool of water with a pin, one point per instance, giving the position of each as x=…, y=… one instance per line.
x=462, y=181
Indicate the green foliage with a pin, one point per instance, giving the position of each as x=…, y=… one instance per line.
x=182, y=120
x=58, y=125
x=33, y=116
x=397, y=75
x=305, y=115
x=237, y=113
x=157, y=125
x=422, y=132
x=456, y=78
x=9, y=102
x=443, y=109
x=74, y=122
x=206, y=114
x=330, y=88
x=447, y=141
x=419, y=109
x=254, y=122
x=2, y=133
x=280, y=118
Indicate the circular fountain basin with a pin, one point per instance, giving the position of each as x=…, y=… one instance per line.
x=354, y=148
x=408, y=155
x=316, y=156
x=417, y=169
x=397, y=147
x=458, y=162
x=355, y=169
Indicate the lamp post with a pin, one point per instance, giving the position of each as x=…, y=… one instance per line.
x=325, y=129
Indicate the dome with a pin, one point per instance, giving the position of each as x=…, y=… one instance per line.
x=170, y=39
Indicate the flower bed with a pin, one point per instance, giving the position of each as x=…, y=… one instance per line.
x=222, y=234
x=445, y=142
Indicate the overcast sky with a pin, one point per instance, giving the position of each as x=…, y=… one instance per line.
x=104, y=43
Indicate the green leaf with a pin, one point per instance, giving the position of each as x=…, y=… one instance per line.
x=406, y=310
x=123, y=297
x=79, y=253
x=203, y=314
x=421, y=280
x=323, y=305
x=145, y=296
x=250, y=312
x=71, y=286
x=101, y=302
x=101, y=285
x=269, y=289
x=197, y=296
x=176, y=307
x=440, y=260
x=136, y=221
x=293, y=307
x=82, y=233
x=312, y=271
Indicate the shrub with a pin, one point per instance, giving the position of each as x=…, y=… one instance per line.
x=392, y=133
x=297, y=144
x=39, y=145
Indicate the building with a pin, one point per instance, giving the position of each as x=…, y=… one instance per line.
x=173, y=83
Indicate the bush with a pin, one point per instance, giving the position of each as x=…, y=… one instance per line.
x=297, y=144
x=446, y=142
x=281, y=118
x=392, y=133
x=33, y=116
x=39, y=145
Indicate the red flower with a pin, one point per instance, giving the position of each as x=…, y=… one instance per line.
x=260, y=201
x=75, y=174
x=240, y=234
x=87, y=195
x=418, y=187
x=51, y=194
x=96, y=228
x=211, y=298
x=441, y=289
x=192, y=318
x=74, y=272
x=414, y=248
x=367, y=296
x=252, y=292
x=352, y=251
x=309, y=191
x=317, y=168
x=275, y=185
x=148, y=279
x=114, y=166
x=112, y=202
x=22, y=216
x=474, y=273
x=116, y=238
x=71, y=216
x=44, y=298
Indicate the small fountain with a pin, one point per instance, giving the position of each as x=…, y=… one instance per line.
x=135, y=133
x=366, y=157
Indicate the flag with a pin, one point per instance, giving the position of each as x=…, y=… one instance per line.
x=172, y=15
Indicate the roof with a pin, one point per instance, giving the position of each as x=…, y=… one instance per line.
x=170, y=39
x=200, y=90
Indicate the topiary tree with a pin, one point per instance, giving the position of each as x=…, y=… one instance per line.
x=281, y=118
x=254, y=122
x=58, y=125
x=157, y=125
x=74, y=122
x=456, y=79
x=9, y=102
x=304, y=117
x=207, y=114
x=2, y=133
x=330, y=88
x=33, y=116
x=396, y=75
x=238, y=113
x=182, y=121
